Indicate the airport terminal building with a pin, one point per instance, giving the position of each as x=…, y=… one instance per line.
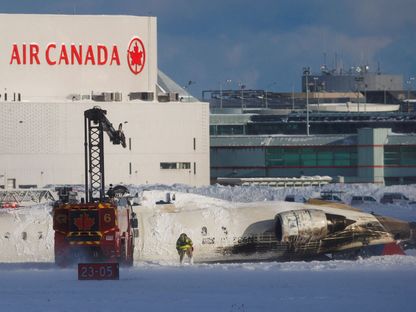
x=54, y=67
x=373, y=155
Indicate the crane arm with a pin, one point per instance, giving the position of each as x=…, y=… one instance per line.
x=98, y=116
x=96, y=123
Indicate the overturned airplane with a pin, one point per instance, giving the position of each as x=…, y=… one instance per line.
x=224, y=231
x=280, y=231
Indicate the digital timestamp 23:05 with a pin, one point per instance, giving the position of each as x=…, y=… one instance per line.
x=98, y=271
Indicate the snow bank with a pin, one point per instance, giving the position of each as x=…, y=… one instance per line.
x=260, y=193
x=26, y=234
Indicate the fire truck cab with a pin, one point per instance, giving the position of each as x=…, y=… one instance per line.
x=97, y=231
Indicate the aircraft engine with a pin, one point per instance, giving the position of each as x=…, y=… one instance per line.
x=303, y=226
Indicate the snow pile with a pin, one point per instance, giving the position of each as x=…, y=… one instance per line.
x=266, y=193
x=160, y=225
x=260, y=193
x=26, y=234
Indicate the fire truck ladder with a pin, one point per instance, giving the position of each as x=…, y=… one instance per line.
x=96, y=123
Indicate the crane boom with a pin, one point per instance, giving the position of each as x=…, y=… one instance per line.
x=96, y=123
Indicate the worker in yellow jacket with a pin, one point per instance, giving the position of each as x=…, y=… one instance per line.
x=184, y=246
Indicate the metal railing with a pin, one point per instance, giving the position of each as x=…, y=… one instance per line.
x=20, y=196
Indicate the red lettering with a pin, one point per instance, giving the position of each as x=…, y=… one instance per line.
x=114, y=56
x=33, y=52
x=102, y=54
x=63, y=57
x=68, y=55
x=76, y=54
x=24, y=53
x=90, y=56
x=15, y=55
x=47, y=56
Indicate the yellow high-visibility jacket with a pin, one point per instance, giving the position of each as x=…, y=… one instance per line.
x=183, y=243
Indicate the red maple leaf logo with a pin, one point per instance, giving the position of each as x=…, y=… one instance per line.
x=84, y=222
x=136, y=55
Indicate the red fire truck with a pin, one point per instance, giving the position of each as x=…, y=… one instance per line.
x=102, y=227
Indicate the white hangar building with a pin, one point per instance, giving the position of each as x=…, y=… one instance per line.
x=54, y=67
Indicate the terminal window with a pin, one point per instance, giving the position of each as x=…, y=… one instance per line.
x=226, y=129
x=175, y=165
x=399, y=155
x=311, y=157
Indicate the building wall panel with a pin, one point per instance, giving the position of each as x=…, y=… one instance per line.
x=44, y=142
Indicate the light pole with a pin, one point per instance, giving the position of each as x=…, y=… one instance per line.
x=306, y=72
x=358, y=85
x=316, y=96
x=409, y=86
x=242, y=86
x=267, y=104
x=188, y=85
x=293, y=97
x=365, y=97
x=226, y=81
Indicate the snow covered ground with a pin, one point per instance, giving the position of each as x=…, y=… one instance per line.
x=374, y=284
